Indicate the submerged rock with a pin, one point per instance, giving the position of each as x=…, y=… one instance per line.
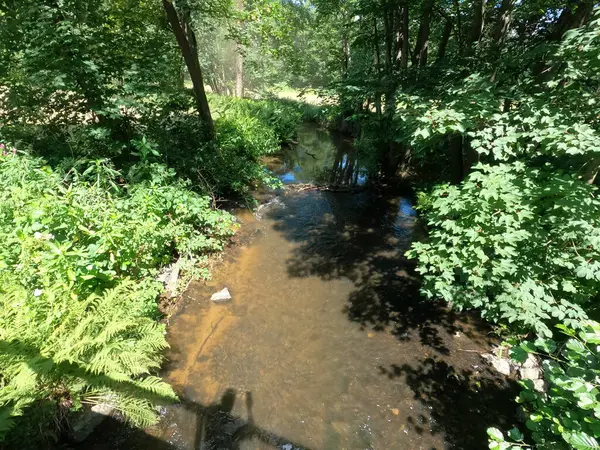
x=87, y=420
x=222, y=296
x=274, y=203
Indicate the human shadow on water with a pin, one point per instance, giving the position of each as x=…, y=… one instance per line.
x=218, y=428
x=463, y=403
x=363, y=237
x=192, y=426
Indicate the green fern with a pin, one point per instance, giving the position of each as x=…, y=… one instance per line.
x=77, y=296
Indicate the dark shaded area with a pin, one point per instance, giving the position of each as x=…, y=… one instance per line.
x=463, y=402
x=214, y=427
x=363, y=237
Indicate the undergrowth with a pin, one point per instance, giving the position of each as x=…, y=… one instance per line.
x=78, y=293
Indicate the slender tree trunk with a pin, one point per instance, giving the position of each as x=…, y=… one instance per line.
x=405, y=36
x=186, y=42
x=345, y=45
x=459, y=30
x=239, y=72
x=445, y=39
x=388, y=31
x=575, y=14
x=377, y=69
x=346, y=52
x=390, y=83
x=591, y=173
x=477, y=24
x=239, y=58
x=397, y=51
x=420, y=53
x=503, y=24
x=501, y=31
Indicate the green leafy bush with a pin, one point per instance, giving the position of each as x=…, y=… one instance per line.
x=77, y=281
x=230, y=165
x=520, y=244
x=567, y=416
x=282, y=117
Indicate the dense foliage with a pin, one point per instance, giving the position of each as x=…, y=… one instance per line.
x=77, y=278
x=115, y=177
x=493, y=105
x=568, y=415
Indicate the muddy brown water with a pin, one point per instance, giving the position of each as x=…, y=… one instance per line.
x=326, y=343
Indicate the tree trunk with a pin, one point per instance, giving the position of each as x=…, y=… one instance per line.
x=239, y=72
x=239, y=58
x=477, y=24
x=503, y=23
x=445, y=39
x=575, y=14
x=388, y=31
x=459, y=30
x=346, y=52
x=501, y=31
x=405, y=36
x=188, y=50
x=419, y=58
x=591, y=172
x=377, y=69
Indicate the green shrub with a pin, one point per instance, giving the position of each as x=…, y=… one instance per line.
x=567, y=416
x=77, y=281
x=230, y=165
x=283, y=118
x=520, y=244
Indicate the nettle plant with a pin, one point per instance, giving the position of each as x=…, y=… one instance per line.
x=567, y=415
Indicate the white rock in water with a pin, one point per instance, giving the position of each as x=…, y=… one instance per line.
x=221, y=296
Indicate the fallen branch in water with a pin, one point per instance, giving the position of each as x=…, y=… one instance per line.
x=301, y=187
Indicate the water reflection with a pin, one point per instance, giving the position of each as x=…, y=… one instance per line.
x=321, y=157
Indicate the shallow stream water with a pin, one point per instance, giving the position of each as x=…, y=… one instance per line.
x=326, y=343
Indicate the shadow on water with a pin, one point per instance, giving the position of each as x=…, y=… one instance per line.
x=463, y=403
x=418, y=388
x=214, y=427
x=363, y=237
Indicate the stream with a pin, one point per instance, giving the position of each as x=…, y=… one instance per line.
x=326, y=344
